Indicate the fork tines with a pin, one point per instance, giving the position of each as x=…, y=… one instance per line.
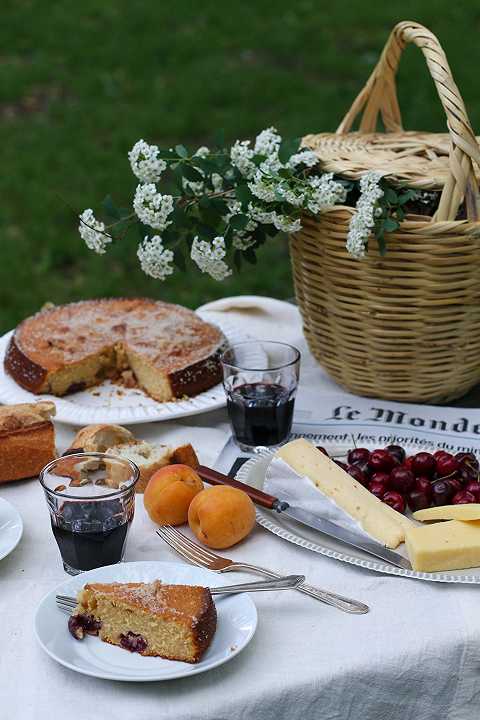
x=184, y=546
x=66, y=603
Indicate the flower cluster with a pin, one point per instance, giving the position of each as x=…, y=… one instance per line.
x=151, y=207
x=209, y=257
x=155, y=259
x=145, y=163
x=92, y=231
x=239, y=196
x=363, y=221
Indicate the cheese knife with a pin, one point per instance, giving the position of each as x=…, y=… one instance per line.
x=327, y=527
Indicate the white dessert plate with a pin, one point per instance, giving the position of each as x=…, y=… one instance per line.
x=236, y=624
x=253, y=473
x=110, y=403
x=11, y=528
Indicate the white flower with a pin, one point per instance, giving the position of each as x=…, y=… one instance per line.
x=92, y=231
x=363, y=222
x=286, y=224
x=155, y=259
x=209, y=257
x=267, y=142
x=324, y=193
x=241, y=157
x=202, y=151
x=305, y=157
x=262, y=187
x=151, y=207
x=235, y=208
x=260, y=215
x=198, y=187
x=293, y=195
x=242, y=241
x=145, y=163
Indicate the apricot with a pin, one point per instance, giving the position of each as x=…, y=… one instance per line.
x=169, y=493
x=221, y=516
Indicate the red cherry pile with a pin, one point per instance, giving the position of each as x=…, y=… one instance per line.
x=419, y=481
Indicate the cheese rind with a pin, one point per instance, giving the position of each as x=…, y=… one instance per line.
x=450, y=545
x=377, y=519
x=469, y=511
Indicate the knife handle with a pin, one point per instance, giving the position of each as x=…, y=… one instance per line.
x=216, y=478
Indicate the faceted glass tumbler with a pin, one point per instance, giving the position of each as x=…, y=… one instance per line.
x=260, y=380
x=91, y=500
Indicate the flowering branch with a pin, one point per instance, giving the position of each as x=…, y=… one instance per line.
x=229, y=200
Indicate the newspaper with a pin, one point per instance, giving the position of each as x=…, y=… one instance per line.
x=351, y=420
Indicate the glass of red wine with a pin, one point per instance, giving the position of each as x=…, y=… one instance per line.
x=260, y=380
x=91, y=500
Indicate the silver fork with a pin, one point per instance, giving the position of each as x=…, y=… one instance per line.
x=200, y=555
x=286, y=582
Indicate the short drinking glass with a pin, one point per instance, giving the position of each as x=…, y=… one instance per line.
x=260, y=380
x=91, y=499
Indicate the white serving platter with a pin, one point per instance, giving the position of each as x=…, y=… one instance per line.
x=236, y=624
x=110, y=403
x=11, y=528
x=253, y=473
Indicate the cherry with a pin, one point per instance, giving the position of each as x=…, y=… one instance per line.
x=323, y=450
x=463, y=497
x=439, y=453
x=408, y=462
x=397, y=451
x=358, y=456
x=356, y=473
x=341, y=464
x=395, y=500
x=467, y=458
x=455, y=484
x=377, y=488
x=418, y=500
x=423, y=463
x=423, y=484
x=402, y=479
x=381, y=476
x=473, y=487
x=447, y=465
x=441, y=492
x=381, y=460
x=467, y=472
x=133, y=642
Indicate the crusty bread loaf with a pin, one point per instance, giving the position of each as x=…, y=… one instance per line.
x=119, y=442
x=27, y=439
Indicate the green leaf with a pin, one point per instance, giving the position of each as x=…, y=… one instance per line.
x=250, y=256
x=287, y=149
x=181, y=151
x=190, y=173
x=110, y=208
x=390, y=225
x=179, y=260
x=390, y=196
x=243, y=193
x=239, y=222
x=237, y=260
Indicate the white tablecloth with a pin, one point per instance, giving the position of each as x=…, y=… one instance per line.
x=415, y=655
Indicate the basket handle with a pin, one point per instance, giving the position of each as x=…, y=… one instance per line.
x=380, y=95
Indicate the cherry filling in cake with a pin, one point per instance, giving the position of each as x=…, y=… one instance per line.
x=176, y=622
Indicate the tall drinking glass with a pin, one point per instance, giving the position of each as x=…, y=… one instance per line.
x=260, y=379
x=91, y=500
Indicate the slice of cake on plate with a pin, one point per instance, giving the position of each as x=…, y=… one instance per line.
x=176, y=622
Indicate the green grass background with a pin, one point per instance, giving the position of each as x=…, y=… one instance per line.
x=80, y=82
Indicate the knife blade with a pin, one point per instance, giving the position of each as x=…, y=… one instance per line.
x=327, y=527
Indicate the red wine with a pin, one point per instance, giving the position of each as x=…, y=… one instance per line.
x=91, y=534
x=260, y=413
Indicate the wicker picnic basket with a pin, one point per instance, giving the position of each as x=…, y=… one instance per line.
x=406, y=325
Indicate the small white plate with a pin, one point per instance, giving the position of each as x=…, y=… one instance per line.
x=110, y=403
x=253, y=473
x=236, y=624
x=11, y=528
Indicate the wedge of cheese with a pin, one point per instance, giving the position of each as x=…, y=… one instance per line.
x=469, y=511
x=377, y=519
x=450, y=545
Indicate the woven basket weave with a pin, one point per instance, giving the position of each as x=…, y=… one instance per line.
x=405, y=326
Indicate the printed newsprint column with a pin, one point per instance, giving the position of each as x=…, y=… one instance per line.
x=346, y=419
